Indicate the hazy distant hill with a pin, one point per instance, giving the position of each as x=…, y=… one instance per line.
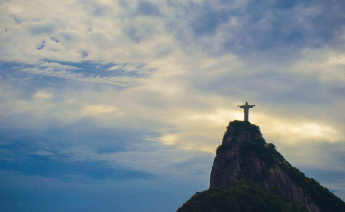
x=250, y=175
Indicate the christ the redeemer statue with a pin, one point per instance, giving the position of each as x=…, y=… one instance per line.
x=246, y=110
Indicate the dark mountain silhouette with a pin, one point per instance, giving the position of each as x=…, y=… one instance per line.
x=249, y=174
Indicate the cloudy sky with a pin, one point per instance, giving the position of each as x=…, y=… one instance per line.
x=119, y=105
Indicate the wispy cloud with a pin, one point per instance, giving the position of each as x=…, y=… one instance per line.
x=57, y=65
x=65, y=74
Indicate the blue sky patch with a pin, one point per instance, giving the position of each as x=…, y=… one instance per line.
x=147, y=8
x=41, y=45
x=21, y=151
x=36, y=165
x=54, y=39
x=42, y=29
x=208, y=21
x=84, y=54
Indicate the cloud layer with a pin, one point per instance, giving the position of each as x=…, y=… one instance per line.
x=141, y=92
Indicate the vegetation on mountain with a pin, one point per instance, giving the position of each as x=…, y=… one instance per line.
x=325, y=200
x=242, y=196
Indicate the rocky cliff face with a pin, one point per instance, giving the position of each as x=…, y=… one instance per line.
x=244, y=154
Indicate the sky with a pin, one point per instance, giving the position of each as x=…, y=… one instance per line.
x=119, y=105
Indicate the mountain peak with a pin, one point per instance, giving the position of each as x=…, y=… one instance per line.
x=244, y=156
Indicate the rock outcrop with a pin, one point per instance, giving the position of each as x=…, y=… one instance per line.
x=239, y=157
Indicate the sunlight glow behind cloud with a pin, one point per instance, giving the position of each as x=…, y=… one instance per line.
x=43, y=95
x=295, y=132
x=95, y=109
